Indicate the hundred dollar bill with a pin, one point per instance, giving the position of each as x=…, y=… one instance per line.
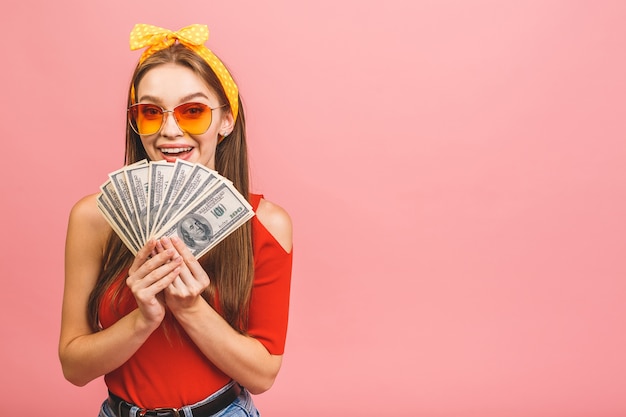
x=160, y=175
x=119, y=228
x=137, y=179
x=118, y=179
x=209, y=220
x=179, y=177
x=200, y=180
x=155, y=199
x=117, y=211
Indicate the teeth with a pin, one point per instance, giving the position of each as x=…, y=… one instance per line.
x=175, y=150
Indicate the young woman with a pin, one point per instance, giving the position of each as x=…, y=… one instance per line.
x=172, y=335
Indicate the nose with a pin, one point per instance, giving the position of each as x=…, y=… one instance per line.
x=170, y=128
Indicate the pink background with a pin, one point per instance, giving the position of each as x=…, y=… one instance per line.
x=455, y=171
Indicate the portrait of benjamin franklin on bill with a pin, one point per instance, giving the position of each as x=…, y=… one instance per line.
x=195, y=231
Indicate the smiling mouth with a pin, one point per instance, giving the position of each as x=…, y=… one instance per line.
x=175, y=151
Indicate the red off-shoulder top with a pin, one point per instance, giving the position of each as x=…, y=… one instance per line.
x=169, y=370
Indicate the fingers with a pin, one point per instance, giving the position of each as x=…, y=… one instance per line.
x=192, y=263
x=148, y=281
x=143, y=255
x=192, y=280
x=154, y=269
x=147, y=288
x=164, y=244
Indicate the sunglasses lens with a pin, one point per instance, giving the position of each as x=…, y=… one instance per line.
x=145, y=119
x=193, y=118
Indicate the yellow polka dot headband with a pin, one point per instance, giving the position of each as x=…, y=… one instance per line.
x=193, y=37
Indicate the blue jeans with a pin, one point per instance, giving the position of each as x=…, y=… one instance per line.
x=241, y=407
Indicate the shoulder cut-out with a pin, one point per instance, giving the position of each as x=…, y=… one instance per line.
x=277, y=221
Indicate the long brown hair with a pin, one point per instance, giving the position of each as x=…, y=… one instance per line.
x=230, y=264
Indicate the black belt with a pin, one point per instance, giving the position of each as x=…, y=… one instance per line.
x=122, y=408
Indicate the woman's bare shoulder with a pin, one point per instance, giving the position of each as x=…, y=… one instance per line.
x=86, y=215
x=277, y=221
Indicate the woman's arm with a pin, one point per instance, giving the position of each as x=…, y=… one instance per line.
x=86, y=355
x=241, y=357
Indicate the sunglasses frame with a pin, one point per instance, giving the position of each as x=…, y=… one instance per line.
x=164, y=115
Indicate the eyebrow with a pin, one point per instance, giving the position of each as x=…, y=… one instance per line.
x=182, y=99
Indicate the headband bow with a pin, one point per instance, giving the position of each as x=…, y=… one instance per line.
x=193, y=37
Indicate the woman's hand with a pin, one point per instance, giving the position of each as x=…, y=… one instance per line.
x=186, y=289
x=151, y=272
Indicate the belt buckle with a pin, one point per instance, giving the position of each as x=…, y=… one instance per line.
x=173, y=411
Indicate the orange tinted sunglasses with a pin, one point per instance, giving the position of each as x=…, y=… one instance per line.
x=193, y=118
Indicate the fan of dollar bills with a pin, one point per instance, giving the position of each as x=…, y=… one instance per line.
x=149, y=200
